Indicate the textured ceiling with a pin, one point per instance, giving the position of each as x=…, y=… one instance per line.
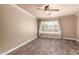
x=65, y=9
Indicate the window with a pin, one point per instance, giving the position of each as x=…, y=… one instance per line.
x=49, y=26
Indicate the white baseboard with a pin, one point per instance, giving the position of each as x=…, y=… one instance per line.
x=77, y=40
x=69, y=38
x=7, y=52
x=48, y=37
x=72, y=39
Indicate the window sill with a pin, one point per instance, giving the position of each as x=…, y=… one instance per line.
x=50, y=32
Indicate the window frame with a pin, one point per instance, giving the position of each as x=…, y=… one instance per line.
x=49, y=32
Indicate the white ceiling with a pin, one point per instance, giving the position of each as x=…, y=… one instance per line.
x=65, y=9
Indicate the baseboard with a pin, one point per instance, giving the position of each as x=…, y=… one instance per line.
x=48, y=37
x=71, y=39
x=7, y=52
x=77, y=40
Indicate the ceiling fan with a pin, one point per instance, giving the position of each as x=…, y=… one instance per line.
x=47, y=9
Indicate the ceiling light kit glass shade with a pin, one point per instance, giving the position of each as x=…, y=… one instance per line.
x=47, y=12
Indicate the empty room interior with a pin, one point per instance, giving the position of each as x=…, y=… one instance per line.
x=39, y=29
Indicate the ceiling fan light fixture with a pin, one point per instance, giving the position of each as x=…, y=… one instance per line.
x=47, y=12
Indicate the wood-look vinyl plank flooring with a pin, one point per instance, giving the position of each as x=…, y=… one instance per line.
x=43, y=46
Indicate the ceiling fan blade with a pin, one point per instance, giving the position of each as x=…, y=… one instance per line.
x=40, y=9
x=53, y=9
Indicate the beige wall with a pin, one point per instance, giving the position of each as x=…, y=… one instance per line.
x=77, y=26
x=16, y=27
x=68, y=26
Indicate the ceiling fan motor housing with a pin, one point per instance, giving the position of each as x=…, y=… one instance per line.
x=46, y=7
